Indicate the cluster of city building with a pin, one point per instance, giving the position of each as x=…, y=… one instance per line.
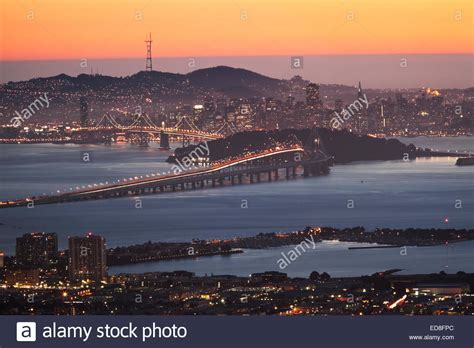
x=425, y=113
x=385, y=113
x=38, y=261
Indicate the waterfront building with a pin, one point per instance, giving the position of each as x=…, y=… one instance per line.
x=35, y=250
x=87, y=258
x=84, y=111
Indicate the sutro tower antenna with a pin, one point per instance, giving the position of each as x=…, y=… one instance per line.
x=148, y=55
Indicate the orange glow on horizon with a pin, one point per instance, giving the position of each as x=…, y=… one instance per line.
x=87, y=29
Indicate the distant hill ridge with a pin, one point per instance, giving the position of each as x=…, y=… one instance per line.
x=228, y=81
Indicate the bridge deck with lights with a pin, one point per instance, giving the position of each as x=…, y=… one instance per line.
x=251, y=168
x=144, y=124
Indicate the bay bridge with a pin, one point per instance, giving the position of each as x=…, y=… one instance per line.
x=269, y=165
x=144, y=127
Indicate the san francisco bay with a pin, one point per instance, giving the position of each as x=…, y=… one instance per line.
x=393, y=194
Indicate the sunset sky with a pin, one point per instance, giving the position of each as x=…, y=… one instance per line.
x=58, y=29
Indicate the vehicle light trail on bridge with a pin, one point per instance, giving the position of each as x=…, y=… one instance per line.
x=227, y=169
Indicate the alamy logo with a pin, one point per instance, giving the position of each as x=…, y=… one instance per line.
x=29, y=111
x=26, y=331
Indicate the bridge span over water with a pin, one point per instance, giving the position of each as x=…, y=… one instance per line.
x=269, y=165
x=143, y=124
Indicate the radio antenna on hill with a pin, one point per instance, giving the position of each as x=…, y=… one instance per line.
x=148, y=54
